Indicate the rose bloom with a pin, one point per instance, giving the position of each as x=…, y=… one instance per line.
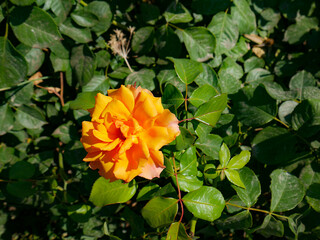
x=127, y=129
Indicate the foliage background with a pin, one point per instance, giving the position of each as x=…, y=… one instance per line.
x=271, y=79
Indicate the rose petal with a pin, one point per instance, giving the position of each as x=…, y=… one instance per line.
x=124, y=95
x=101, y=102
x=117, y=110
x=154, y=166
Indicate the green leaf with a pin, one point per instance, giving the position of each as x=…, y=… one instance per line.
x=105, y=193
x=172, y=96
x=97, y=83
x=240, y=160
x=34, y=27
x=80, y=35
x=185, y=139
x=188, y=162
x=177, y=231
x=274, y=145
x=206, y=203
x=187, y=70
x=200, y=43
x=234, y=177
x=20, y=189
x=300, y=81
x=209, y=112
x=6, y=119
x=208, y=76
x=286, y=190
x=242, y=220
x=269, y=19
x=252, y=189
x=229, y=75
x=310, y=174
x=202, y=95
x=189, y=183
x=149, y=13
x=210, y=7
x=33, y=56
x=21, y=170
x=13, y=66
x=61, y=9
x=167, y=43
x=66, y=132
x=59, y=64
x=285, y=111
x=144, y=78
x=225, y=31
x=79, y=212
x=259, y=75
x=84, y=18
x=252, y=63
x=224, y=155
x=104, y=15
x=239, y=50
x=210, y=145
x=82, y=63
x=160, y=211
x=136, y=222
x=306, y=117
x=84, y=100
x=22, y=2
x=30, y=117
x=296, y=33
x=313, y=196
x=148, y=192
x=177, y=13
x=295, y=224
x=271, y=227
x=142, y=40
x=243, y=16
x=255, y=108
x=276, y=91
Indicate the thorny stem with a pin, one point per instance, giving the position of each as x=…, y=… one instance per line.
x=179, y=192
x=257, y=210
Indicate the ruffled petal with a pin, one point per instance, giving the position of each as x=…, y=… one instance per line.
x=154, y=165
x=124, y=95
x=101, y=102
x=156, y=137
x=117, y=110
x=105, y=169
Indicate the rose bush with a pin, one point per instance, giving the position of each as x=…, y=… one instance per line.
x=127, y=129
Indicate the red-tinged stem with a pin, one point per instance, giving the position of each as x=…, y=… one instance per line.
x=179, y=192
x=187, y=119
x=61, y=89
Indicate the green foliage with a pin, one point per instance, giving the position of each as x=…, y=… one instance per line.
x=241, y=76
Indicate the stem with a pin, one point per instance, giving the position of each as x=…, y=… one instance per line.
x=193, y=223
x=23, y=83
x=7, y=22
x=125, y=59
x=83, y=3
x=115, y=23
x=61, y=89
x=278, y=120
x=257, y=210
x=179, y=192
x=187, y=119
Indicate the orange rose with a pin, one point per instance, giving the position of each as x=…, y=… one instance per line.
x=127, y=129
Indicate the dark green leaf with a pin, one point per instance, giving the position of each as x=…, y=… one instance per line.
x=61, y=9
x=252, y=63
x=243, y=16
x=30, y=117
x=22, y=2
x=34, y=27
x=79, y=212
x=33, y=56
x=136, y=221
x=105, y=193
x=82, y=63
x=185, y=139
x=66, y=132
x=149, y=13
x=271, y=227
x=79, y=34
x=200, y=43
x=160, y=211
x=20, y=189
x=209, y=7
x=225, y=31
x=142, y=40
x=21, y=170
x=144, y=78
x=84, y=18
x=172, y=96
x=206, y=203
x=104, y=14
x=310, y=174
x=13, y=66
x=97, y=83
x=274, y=145
x=148, y=192
x=259, y=75
x=6, y=119
x=242, y=220
x=208, y=76
x=177, y=13
x=167, y=43
x=287, y=191
x=313, y=196
x=300, y=81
